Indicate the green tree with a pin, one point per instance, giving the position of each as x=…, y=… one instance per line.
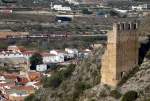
x=31, y=97
x=56, y=79
x=115, y=94
x=86, y=11
x=35, y=59
x=130, y=96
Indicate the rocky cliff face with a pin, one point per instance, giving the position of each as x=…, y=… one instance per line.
x=139, y=82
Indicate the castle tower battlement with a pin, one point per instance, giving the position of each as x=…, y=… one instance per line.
x=121, y=54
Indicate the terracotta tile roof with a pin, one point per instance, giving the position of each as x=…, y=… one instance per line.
x=28, y=52
x=10, y=76
x=22, y=79
x=34, y=75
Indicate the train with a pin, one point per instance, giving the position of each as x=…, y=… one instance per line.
x=9, y=1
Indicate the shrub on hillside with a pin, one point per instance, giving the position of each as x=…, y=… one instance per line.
x=55, y=80
x=115, y=94
x=147, y=100
x=31, y=98
x=130, y=96
x=148, y=55
x=79, y=88
x=86, y=11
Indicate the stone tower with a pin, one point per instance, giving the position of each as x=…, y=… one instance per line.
x=121, y=54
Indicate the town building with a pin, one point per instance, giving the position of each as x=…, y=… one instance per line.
x=41, y=67
x=61, y=8
x=11, y=54
x=75, y=2
x=84, y=53
x=49, y=58
x=141, y=7
x=72, y=53
x=16, y=48
x=60, y=55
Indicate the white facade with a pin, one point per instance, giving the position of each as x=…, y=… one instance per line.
x=50, y=58
x=61, y=8
x=85, y=53
x=11, y=54
x=140, y=7
x=60, y=56
x=53, y=59
x=72, y=2
x=71, y=52
x=41, y=68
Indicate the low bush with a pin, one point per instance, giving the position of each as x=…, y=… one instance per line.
x=56, y=79
x=148, y=55
x=115, y=94
x=130, y=96
x=79, y=88
x=31, y=98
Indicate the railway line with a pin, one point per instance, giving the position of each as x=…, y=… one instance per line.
x=57, y=36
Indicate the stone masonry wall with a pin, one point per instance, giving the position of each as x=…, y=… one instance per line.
x=121, y=54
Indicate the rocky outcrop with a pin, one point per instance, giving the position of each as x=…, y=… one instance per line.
x=97, y=93
x=140, y=82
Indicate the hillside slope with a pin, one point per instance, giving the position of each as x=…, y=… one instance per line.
x=84, y=84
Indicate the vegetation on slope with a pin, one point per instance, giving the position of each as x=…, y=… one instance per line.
x=69, y=84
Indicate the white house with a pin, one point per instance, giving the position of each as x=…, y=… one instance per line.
x=11, y=54
x=41, y=67
x=60, y=55
x=61, y=8
x=72, y=53
x=85, y=53
x=49, y=58
x=73, y=2
x=140, y=7
x=2, y=78
x=54, y=56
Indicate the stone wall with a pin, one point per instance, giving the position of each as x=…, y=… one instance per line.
x=121, y=54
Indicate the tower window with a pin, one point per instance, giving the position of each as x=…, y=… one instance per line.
x=129, y=26
x=123, y=74
x=134, y=26
x=123, y=26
